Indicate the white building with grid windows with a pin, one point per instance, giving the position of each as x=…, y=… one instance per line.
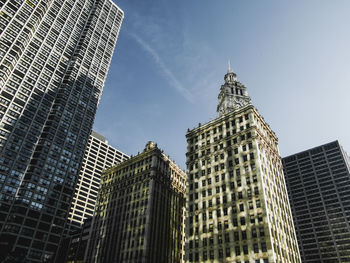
x=54, y=59
x=99, y=155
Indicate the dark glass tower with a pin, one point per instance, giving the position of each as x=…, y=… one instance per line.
x=318, y=182
x=54, y=58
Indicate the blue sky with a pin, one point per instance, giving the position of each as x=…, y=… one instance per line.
x=171, y=57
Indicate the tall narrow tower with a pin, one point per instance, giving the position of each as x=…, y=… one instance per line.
x=54, y=58
x=238, y=208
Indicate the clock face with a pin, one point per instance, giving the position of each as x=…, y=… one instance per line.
x=239, y=102
x=230, y=103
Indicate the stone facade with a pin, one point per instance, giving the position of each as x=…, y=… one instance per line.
x=140, y=211
x=238, y=209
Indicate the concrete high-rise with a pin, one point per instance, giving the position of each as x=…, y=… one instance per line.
x=99, y=155
x=238, y=209
x=54, y=58
x=140, y=211
x=318, y=183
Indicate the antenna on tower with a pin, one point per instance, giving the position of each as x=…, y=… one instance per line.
x=229, y=67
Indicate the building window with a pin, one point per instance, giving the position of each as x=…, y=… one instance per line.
x=252, y=219
x=227, y=237
x=238, y=251
x=221, y=253
x=211, y=254
x=242, y=219
x=205, y=242
x=196, y=256
x=258, y=205
x=249, y=193
x=244, y=235
x=245, y=249
x=262, y=232
x=255, y=248
x=205, y=257
x=234, y=222
x=250, y=204
x=254, y=234
x=219, y=226
x=256, y=190
x=220, y=239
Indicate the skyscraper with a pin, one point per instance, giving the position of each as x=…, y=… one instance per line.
x=54, y=58
x=318, y=183
x=98, y=156
x=140, y=211
x=238, y=209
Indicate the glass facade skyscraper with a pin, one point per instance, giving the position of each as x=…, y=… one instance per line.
x=318, y=182
x=54, y=58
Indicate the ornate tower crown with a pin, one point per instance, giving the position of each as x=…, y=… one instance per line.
x=233, y=94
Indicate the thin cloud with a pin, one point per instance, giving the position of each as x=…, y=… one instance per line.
x=166, y=71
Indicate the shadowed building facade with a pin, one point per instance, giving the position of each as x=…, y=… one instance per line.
x=237, y=202
x=318, y=182
x=140, y=211
x=54, y=58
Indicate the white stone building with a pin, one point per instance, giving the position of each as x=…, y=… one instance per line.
x=238, y=208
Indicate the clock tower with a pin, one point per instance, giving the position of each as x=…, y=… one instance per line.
x=237, y=201
x=233, y=94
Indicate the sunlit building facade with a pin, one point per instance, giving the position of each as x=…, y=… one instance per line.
x=140, y=211
x=54, y=58
x=99, y=155
x=237, y=202
x=318, y=183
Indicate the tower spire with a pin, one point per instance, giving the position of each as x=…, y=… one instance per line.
x=229, y=67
